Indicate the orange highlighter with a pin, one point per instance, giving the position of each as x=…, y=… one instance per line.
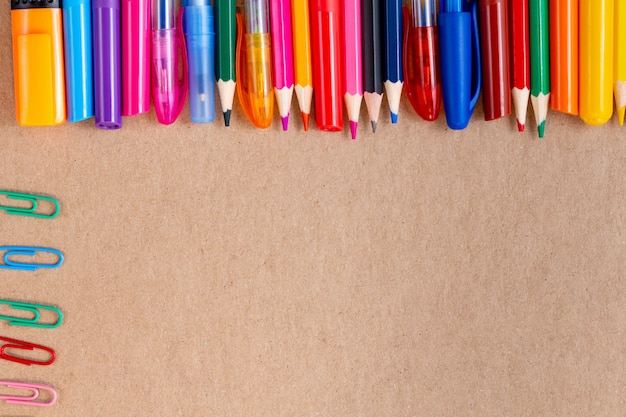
x=37, y=34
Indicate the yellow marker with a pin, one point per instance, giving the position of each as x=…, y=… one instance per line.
x=302, y=57
x=596, y=60
x=620, y=59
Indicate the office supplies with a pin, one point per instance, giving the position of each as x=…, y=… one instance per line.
x=169, y=91
x=34, y=309
x=596, y=32
x=254, y=63
x=564, y=56
x=327, y=50
x=38, y=70
x=33, y=201
x=302, y=66
x=10, y=252
x=352, y=66
x=199, y=31
x=371, y=20
x=78, y=59
x=226, y=34
x=106, y=63
x=620, y=60
x=135, y=57
x=539, y=62
x=28, y=399
x=520, y=60
x=421, y=59
x=12, y=344
x=495, y=38
x=282, y=53
x=394, y=74
x=460, y=61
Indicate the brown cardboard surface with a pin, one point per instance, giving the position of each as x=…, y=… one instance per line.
x=418, y=271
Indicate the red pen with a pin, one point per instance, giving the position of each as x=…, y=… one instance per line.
x=494, y=39
x=421, y=59
x=326, y=43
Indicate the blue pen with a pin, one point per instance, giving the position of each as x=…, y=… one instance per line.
x=460, y=60
x=394, y=76
x=200, y=37
x=78, y=59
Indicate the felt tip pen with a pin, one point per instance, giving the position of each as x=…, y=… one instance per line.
x=78, y=59
x=226, y=39
x=460, y=61
x=199, y=31
x=107, y=64
x=135, y=57
x=421, y=59
x=254, y=63
x=169, y=91
x=282, y=53
x=38, y=70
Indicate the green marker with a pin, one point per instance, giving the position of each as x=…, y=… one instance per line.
x=226, y=33
x=539, y=61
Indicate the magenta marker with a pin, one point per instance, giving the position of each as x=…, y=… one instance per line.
x=106, y=64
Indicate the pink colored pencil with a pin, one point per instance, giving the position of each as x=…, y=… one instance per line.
x=282, y=54
x=353, y=69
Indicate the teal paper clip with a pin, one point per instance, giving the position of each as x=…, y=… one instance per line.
x=35, y=310
x=10, y=251
x=31, y=211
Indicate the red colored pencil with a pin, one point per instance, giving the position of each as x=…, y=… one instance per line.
x=520, y=47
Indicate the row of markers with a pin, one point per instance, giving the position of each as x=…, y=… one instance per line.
x=19, y=351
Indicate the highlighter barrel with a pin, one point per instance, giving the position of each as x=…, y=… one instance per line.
x=135, y=57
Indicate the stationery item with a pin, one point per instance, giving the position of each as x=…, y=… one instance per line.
x=33, y=205
x=169, y=91
x=78, y=59
x=12, y=345
x=10, y=252
x=394, y=74
x=106, y=63
x=200, y=41
x=254, y=63
x=539, y=62
x=371, y=13
x=620, y=60
x=564, y=56
x=302, y=66
x=352, y=74
x=596, y=60
x=460, y=61
x=135, y=57
x=495, y=38
x=520, y=58
x=34, y=309
x=421, y=59
x=38, y=70
x=327, y=51
x=282, y=54
x=226, y=33
x=29, y=399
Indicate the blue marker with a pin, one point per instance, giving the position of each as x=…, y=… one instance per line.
x=78, y=59
x=460, y=61
x=200, y=37
x=394, y=76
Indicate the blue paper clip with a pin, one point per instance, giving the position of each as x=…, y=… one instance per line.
x=32, y=200
x=34, y=309
x=10, y=251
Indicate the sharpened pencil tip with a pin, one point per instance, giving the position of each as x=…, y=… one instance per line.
x=541, y=129
x=374, y=126
x=353, y=128
x=227, y=118
x=520, y=127
x=285, y=121
x=305, y=120
x=394, y=118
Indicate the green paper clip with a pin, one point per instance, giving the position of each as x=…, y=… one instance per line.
x=32, y=210
x=34, y=309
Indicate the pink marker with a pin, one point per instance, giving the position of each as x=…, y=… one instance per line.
x=135, y=57
x=282, y=54
x=353, y=75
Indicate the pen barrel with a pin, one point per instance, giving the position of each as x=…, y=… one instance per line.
x=422, y=74
x=135, y=57
x=259, y=71
x=107, y=65
x=165, y=84
x=200, y=40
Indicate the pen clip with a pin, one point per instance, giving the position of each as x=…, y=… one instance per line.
x=34, y=309
x=28, y=399
x=32, y=251
x=18, y=344
x=31, y=211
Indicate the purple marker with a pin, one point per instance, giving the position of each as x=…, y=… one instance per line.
x=107, y=65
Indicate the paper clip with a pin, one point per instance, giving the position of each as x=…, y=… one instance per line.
x=31, y=308
x=18, y=344
x=28, y=400
x=32, y=210
x=27, y=251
